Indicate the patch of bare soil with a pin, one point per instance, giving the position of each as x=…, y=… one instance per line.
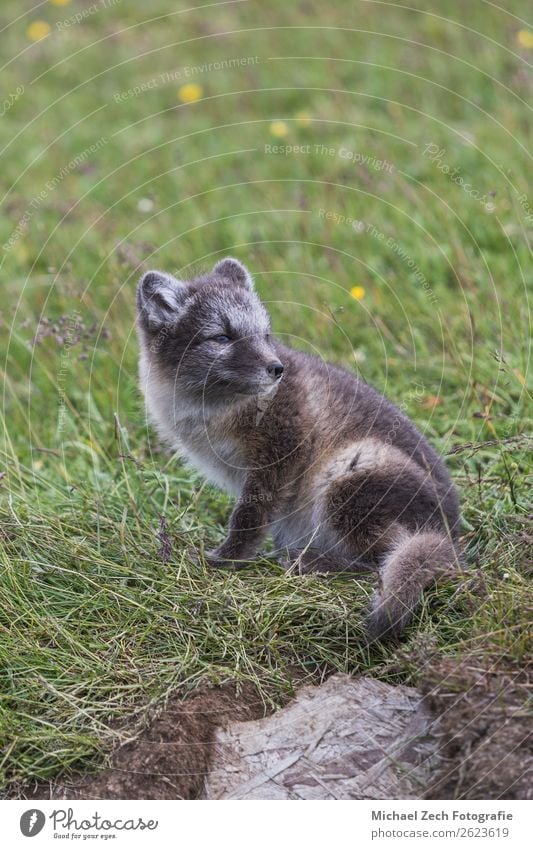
x=485, y=729
x=168, y=760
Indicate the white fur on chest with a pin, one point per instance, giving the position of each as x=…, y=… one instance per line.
x=217, y=460
x=200, y=441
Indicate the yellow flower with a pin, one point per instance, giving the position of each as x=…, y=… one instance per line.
x=357, y=292
x=278, y=129
x=190, y=93
x=59, y=2
x=303, y=119
x=525, y=38
x=38, y=30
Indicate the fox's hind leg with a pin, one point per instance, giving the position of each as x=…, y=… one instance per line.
x=367, y=509
x=396, y=515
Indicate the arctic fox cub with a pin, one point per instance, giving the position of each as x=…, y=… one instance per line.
x=316, y=458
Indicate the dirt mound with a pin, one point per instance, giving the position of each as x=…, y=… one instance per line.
x=485, y=729
x=170, y=759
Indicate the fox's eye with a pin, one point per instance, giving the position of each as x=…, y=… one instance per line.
x=222, y=339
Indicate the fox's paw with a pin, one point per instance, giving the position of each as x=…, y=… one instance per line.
x=215, y=560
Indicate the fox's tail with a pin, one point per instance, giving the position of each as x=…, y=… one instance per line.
x=414, y=563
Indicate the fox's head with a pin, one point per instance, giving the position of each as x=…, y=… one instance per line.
x=210, y=335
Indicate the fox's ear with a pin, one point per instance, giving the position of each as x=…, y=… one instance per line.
x=234, y=271
x=159, y=299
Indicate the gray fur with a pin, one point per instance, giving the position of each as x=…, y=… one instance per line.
x=310, y=455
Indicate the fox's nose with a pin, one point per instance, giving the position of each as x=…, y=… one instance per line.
x=275, y=369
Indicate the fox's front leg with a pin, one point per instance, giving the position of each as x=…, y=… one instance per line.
x=247, y=528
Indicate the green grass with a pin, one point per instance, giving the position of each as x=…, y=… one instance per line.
x=95, y=623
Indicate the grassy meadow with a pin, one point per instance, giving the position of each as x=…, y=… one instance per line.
x=369, y=162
